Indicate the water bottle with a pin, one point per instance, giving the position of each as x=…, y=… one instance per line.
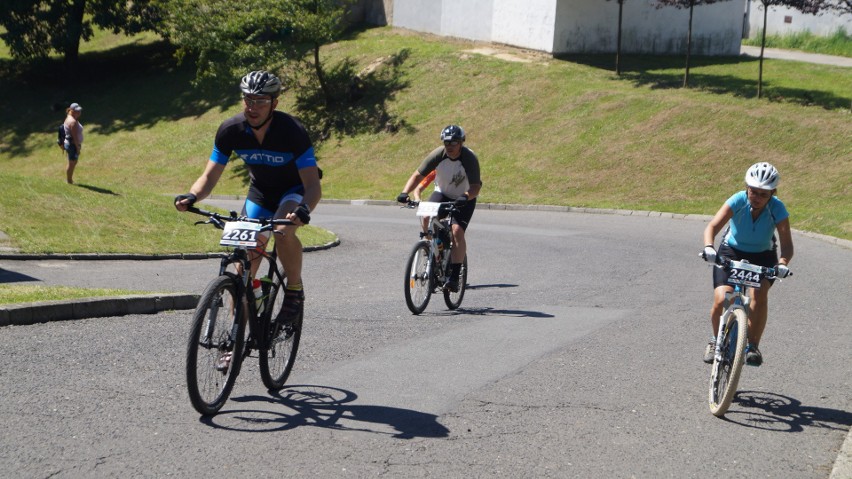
x=439, y=243
x=257, y=286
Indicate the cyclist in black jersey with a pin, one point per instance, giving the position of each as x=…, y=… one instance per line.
x=285, y=181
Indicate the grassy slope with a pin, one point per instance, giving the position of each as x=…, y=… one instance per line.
x=551, y=131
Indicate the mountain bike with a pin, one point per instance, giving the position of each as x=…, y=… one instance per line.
x=428, y=265
x=732, y=337
x=230, y=321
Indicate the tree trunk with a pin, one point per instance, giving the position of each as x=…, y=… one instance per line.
x=688, y=45
x=762, y=46
x=73, y=33
x=618, y=42
x=321, y=76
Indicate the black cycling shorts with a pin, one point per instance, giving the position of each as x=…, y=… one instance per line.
x=768, y=258
x=463, y=216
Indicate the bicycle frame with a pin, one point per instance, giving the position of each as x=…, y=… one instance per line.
x=440, y=229
x=260, y=336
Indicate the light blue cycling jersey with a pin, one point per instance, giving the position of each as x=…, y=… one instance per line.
x=753, y=236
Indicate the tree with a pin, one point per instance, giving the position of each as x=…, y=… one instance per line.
x=227, y=37
x=37, y=28
x=691, y=5
x=804, y=6
x=618, y=38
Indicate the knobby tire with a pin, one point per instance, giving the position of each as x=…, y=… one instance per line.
x=276, y=362
x=454, y=300
x=418, y=278
x=209, y=338
x=726, y=373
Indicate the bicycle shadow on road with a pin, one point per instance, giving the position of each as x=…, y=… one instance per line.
x=487, y=311
x=326, y=407
x=775, y=412
x=7, y=276
x=488, y=286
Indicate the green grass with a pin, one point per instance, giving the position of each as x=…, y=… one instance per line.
x=14, y=294
x=552, y=131
x=840, y=43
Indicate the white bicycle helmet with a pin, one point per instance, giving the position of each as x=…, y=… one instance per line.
x=763, y=176
x=260, y=83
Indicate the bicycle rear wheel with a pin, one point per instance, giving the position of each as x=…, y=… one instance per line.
x=418, y=278
x=277, y=360
x=216, y=333
x=452, y=299
x=726, y=370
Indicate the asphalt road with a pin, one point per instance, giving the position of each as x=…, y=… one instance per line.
x=576, y=353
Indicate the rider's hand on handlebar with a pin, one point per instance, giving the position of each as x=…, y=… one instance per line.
x=182, y=202
x=709, y=254
x=781, y=271
x=302, y=214
x=402, y=198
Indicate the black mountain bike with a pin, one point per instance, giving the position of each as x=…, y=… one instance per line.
x=428, y=264
x=230, y=322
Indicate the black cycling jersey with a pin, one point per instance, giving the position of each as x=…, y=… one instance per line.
x=274, y=165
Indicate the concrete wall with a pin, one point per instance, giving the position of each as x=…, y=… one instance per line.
x=579, y=26
x=418, y=15
x=527, y=23
x=470, y=19
x=785, y=21
x=591, y=26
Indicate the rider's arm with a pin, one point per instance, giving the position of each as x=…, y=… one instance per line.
x=786, y=239
x=205, y=183
x=415, y=178
x=473, y=190
x=717, y=223
x=313, y=187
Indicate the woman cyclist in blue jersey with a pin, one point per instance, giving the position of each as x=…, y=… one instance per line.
x=285, y=180
x=754, y=215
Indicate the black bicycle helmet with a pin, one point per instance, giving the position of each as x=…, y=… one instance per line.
x=260, y=83
x=452, y=133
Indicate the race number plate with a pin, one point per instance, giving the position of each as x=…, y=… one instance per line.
x=745, y=273
x=240, y=233
x=428, y=208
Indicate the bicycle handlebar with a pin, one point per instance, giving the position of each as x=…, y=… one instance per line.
x=449, y=205
x=219, y=221
x=725, y=262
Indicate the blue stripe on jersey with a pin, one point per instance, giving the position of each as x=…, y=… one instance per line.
x=265, y=157
x=218, y=157
x=308, y=158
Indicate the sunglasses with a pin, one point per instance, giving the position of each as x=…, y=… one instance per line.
x=760, y=193
x=452, y=143
x=257, y=102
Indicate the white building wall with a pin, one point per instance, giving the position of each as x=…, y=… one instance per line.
x=579, y=26
x=525, y=23
x=591, y=26
x=418, y=15
x=471, y=19
x=785, y=21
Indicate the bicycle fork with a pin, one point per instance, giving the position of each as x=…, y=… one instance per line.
x=733, y=301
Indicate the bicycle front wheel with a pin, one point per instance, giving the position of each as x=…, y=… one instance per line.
x=216, y=346
x=418, y=278
x=277, y=360
x=454, y=299
x=726, y=369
